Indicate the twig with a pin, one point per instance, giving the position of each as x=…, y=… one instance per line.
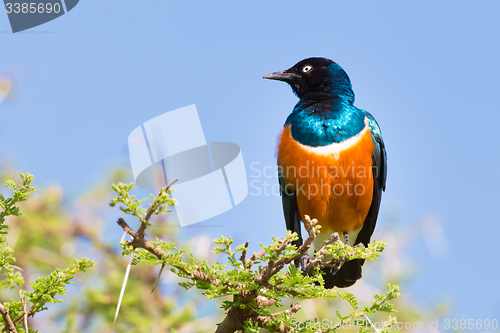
x=9, y=324
x=292, y=310
x=318, y=261
x=289, y=291
x=265, y=301
x=171, y=183
x=25, y=309
x=30, y=313
x=139, y=242
x=255, y=256
x=274, y=267
x=263, y=320
x=243, y=257
x=151, y=210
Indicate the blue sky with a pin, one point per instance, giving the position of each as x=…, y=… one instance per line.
x=428, y=71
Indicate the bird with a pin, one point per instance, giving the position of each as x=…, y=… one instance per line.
x=332, y=162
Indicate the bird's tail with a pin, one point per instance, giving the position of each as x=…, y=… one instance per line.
x=348, y=274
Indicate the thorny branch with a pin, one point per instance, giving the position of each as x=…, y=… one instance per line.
x=236, y=316
x=140, y=242
x=249, y=306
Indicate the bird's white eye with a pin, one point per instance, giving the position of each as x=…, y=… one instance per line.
x=306, y=68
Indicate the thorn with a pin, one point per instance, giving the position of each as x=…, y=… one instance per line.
x=371, y=324
x=158, y=278
x=125, y=279
x=123, y=237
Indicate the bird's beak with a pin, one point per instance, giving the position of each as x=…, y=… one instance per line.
x=282, y=76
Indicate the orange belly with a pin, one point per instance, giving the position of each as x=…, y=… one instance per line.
x=333, y=184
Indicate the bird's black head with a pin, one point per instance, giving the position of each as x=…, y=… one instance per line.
x=316, y=78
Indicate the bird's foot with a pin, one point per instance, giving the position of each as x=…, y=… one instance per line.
x=346, y=238
x=335, y=237
x=334, y=269
x=303, y=261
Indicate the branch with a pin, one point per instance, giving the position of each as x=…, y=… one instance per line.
x=261, y=289
x=30, y=313
x=318, y=261
x=25, y=308
x=9, y=324
x=274, y=267
x=263, y=320
x=236, y=316
x=292, y=310
x=152, y=208
x=243, y=257
x=140, y=242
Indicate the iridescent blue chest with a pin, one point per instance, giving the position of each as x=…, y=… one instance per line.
x=326, y=122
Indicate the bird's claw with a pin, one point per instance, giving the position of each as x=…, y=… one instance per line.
x=335, y=237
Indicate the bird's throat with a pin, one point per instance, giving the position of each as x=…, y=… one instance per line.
x=325, y=122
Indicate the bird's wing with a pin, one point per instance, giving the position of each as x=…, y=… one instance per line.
x=290, y=209
x=379, y=158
